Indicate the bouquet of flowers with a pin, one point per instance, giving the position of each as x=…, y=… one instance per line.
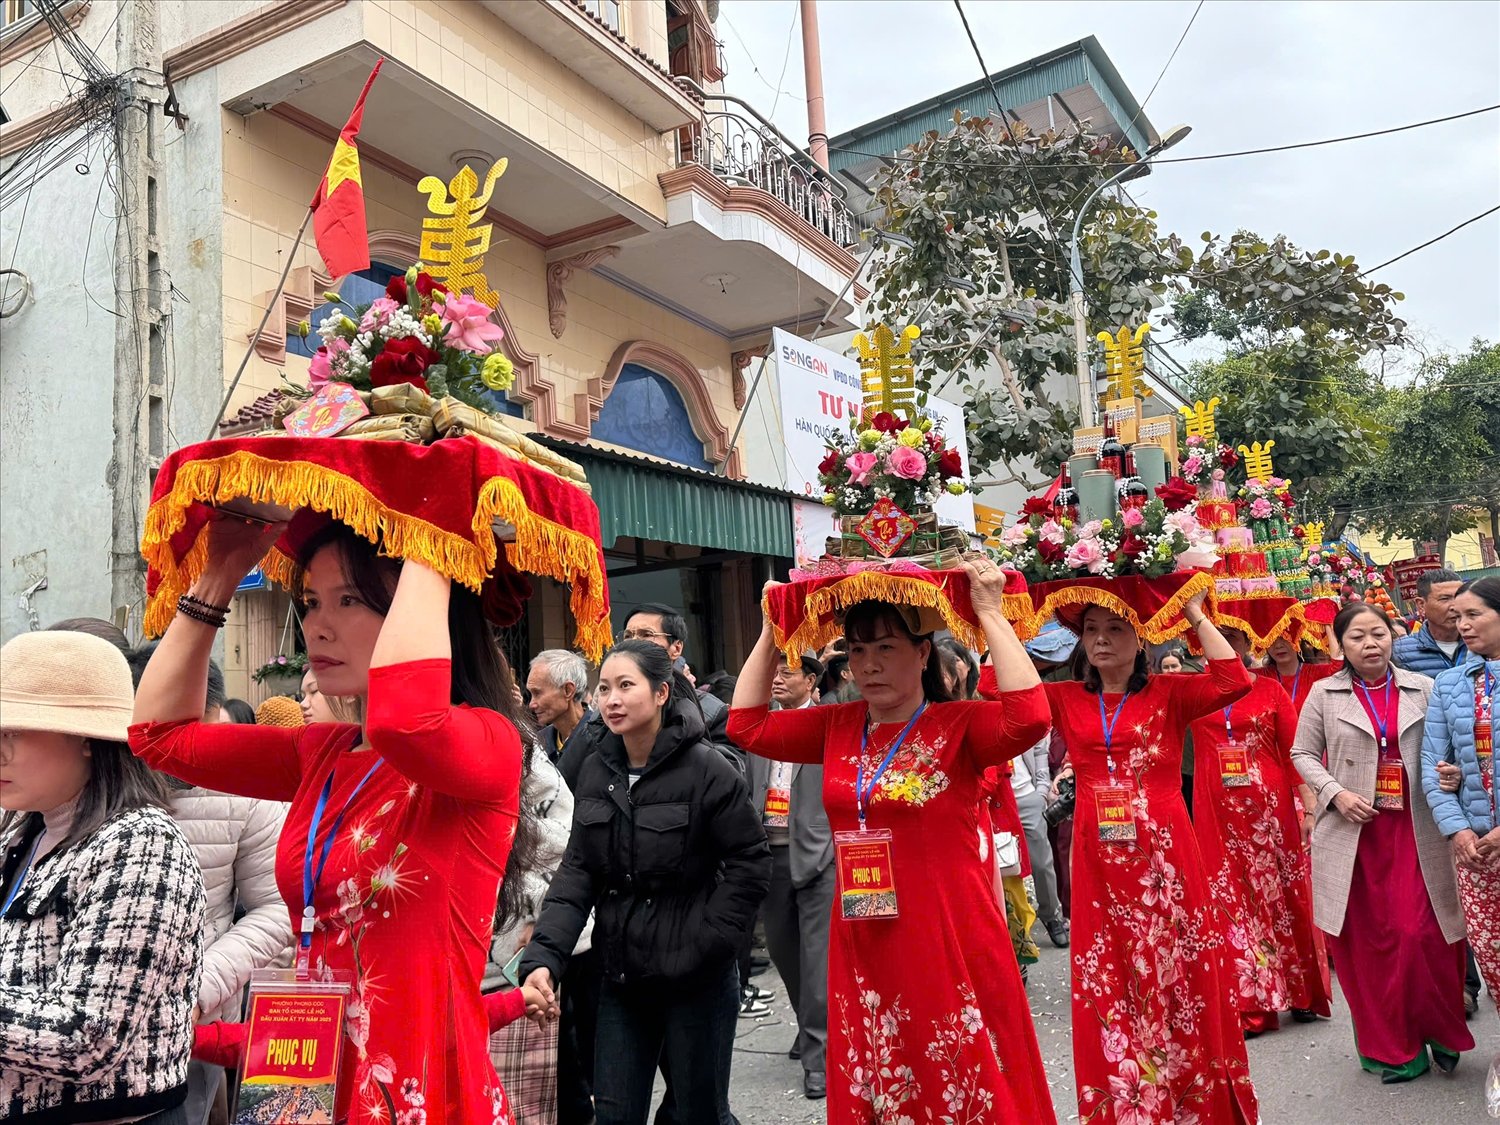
x=1151, y=541
x=418, y=333
x=887, y=457
x=293, y=665
x=1268, y=500
x=1201, y=461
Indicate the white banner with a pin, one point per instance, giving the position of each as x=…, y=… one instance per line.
x=820, y=391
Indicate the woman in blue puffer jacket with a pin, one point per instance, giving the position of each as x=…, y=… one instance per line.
x=1460, y=730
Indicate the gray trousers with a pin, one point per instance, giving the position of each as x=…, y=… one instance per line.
x=1039, y=847
x=797, y=921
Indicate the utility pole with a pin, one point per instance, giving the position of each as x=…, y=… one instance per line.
x=812, y=69
x=142, y=293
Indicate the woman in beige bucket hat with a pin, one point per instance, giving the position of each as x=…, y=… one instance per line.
x=101, y=899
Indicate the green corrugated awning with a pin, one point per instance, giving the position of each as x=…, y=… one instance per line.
x=642, y=499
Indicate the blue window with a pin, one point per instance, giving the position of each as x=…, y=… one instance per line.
x=360, y=289
x=645, y=412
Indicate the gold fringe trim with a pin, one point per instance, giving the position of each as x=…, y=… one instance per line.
x=1292, y=618
x=1164, y=625
x=541, y=547
x=899, y=589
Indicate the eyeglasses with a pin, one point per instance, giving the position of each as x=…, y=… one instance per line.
x=645, y=635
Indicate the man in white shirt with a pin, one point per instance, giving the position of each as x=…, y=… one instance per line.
x=799, y=908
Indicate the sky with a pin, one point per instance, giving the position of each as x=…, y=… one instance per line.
x=1246, y=76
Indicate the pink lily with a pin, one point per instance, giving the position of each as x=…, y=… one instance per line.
x=469, y=325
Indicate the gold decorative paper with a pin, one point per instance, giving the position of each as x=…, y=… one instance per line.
x=889, y=380
x=1258, y=460
x=454, y=243
x=1125, y=362
x=1200, y=419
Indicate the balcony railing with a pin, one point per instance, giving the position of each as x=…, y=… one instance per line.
x=743, y=149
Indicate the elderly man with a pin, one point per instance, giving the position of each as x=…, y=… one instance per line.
x=556, y=683
x=798, y=911
x=1437, y=646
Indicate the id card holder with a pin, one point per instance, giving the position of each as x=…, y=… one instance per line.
x=1389, y=787
x=1234, y=766
x=290, y=1064
x=1484, y=748
x=1114, y=804
x=779, y=808
x=867, y=881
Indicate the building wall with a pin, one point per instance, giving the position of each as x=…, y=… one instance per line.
x=56, y=399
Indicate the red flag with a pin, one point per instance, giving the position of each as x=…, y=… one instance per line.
x=339, y=205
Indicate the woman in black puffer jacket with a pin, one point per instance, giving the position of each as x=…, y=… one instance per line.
x=668, y=852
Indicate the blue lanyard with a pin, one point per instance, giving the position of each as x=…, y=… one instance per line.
x=22, y=872
x=1228, y=726
x=1109, y=729
x=1382, y=717
x=861, y=790
x=1297, y=679
x=1489, y=692
x=310, y=878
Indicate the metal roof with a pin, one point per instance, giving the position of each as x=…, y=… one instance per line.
x=1076, y=81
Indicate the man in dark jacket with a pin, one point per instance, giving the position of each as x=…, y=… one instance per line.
x=674, y=865
x=799, y=909
x=1435, y=647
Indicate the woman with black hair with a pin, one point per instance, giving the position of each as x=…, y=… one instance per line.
x=1155, y=1034
x=669, y=854
x=400, y=827
x=101, y=900
x=1383, y=884
x=922, y=988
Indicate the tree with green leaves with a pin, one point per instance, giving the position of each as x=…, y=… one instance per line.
x=995, y=205
x=1440, y=473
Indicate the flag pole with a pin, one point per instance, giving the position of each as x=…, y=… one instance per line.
x=264, y=320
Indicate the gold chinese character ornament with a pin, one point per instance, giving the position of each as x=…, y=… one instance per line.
x=1258, y=460
x=1312, y=537
x=1125, y=362
x=888, y=378
x=1200, y=419
x=454, y=243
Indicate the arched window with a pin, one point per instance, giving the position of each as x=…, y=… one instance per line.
x=646, y=412
x=360, y=289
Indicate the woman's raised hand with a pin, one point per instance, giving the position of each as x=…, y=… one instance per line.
x=986, y=585
x=1354, y=808
x=236, y=544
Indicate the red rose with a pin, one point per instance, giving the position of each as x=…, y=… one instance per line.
x=1051, y=552
x=426, y=287
x=1036, y=506
x=395, y=289
x=888, y=423
x=1176, y=494
x=830, y=462
x=402, y=361
x=1132, y=544
x=1228, y=458
x=950, y=464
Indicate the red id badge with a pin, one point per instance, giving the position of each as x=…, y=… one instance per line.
x=778, y=808
x=1389, y=786
x=1234, y=766
x=289, y=1070
x=867, y=881
x=1116, y=814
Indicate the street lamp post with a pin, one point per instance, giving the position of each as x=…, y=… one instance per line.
x=1086, y=414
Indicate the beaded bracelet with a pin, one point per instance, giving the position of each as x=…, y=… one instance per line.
x=209, y=607
x=190, y=607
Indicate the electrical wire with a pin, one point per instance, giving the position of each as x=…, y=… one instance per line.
x=723, y=15
x=786, y=58
x=1163, y=73
x=1188, y=159
x=1041, y=205
x=1430, y=241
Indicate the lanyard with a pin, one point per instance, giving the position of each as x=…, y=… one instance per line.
x=1297, y=679
x=861, y=790
x=1382, y=719
x=1108, y=723
x=1489, y=694
x=310, y=877
x=1228, y=726
x=1458, y=654
x=22, y=872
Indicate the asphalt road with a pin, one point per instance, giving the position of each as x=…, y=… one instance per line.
x=1305, y=1074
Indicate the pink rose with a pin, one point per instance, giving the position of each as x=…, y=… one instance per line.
x=1052, y=532
x=859, y=466
x=1017, y=535
x=1132, y=517
x=1260, y=508
x=320, y=370
x=1086, y=554
x=1194, y=439
x=1191, y=466
x=377, y=314
x=906, y=463
x=1218, y=474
